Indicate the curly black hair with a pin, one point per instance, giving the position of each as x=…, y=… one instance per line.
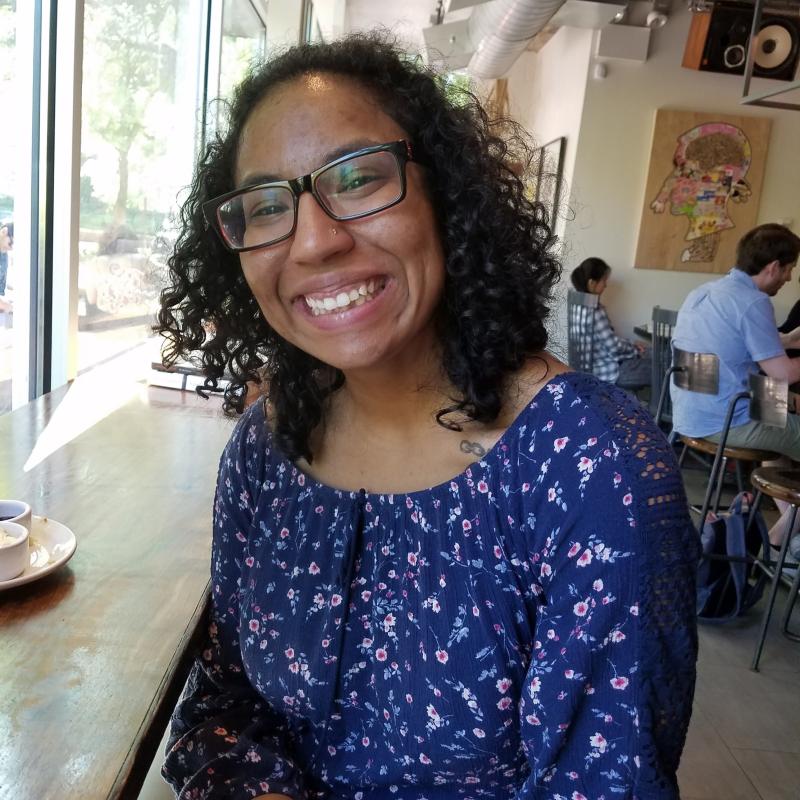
x=499, y=249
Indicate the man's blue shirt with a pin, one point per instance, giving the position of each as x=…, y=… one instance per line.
x=735, y=320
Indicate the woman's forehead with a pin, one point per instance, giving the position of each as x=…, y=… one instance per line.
x=293, y=128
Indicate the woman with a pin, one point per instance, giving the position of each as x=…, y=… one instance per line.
x=614, y=359
x=413, y=593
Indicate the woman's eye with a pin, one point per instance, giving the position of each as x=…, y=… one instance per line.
x=266, y=212
x=355, y=181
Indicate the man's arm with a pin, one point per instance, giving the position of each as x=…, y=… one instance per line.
x=782, y=367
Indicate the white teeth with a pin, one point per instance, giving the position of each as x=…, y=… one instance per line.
x=356, y=296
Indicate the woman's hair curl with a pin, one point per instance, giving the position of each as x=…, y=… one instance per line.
x=499, y=260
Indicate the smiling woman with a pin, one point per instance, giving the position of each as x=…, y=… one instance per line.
x=413, y=594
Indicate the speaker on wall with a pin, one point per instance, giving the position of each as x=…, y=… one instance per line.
x=718, y=42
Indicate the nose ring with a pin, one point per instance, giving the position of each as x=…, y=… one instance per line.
x=334, y=231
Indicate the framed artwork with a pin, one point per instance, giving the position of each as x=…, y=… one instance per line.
x=547, y=174
x=703, y=189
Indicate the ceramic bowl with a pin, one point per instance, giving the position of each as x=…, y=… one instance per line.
x=14, y=555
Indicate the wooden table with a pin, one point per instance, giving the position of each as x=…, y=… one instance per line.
x=93, y=656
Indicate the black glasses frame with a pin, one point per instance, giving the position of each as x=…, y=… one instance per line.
x=401, y=150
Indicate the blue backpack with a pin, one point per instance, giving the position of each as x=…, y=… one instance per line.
x=727, y=583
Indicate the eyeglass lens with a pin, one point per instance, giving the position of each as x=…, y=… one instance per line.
x=356, y=187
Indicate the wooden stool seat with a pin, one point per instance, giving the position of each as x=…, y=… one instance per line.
x=731, y=453
x=782, y=483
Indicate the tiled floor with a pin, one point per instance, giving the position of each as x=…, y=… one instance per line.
x=744, y=738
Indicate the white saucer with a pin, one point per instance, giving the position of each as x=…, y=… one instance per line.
x=51, y=546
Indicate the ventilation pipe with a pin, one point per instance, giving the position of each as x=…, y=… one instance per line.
x=502, y=30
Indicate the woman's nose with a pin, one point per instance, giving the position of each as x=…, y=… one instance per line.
x=317, y=237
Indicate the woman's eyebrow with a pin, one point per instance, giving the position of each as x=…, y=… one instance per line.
x=331, y=155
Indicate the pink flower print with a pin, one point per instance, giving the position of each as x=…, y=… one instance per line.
x=409, y=699
x=503, y=703
x=441, y=656
x=366, y=642
x=617, y=636
x=532, y=719
x=290, y=594
x=388, y=622
x=586, y=465
x=380, y=654
x=284, y=533
x=294, y=667
x=385, y=550
x=598, y=585
x=580, y=608
x=503, y=685
x=249, y=561
x=409, y=503
x=313, y=568
x=365, y=741
x=289, y=652
x=498, y=553
x=569, y=674
x=573, y=551
x=336, y=600
x=586, y=558
x=414, y=516
x=412, y=559
x=435, y=607
x=365, y=595
x=578, y=796
x=442, y=581
x=240, y=536
x=598, y=741
x=591, y=441
x=551, y=494
x=617, y=479
x=326, y=642
x=479, y=733
x=535, y=685
x=483, y=487
x=572, y=775
x=475, y=611
x=424, y=759
x=254, y=625
x=331, y=750
x=301, y=479
x=319, y=509
x=433, y=713
x=627, y=499
x=466, y=525
x=526, y=487
x=619, y=683
x=635, y=609
x=608, y=718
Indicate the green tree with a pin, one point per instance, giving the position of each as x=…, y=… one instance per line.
x=127, y=71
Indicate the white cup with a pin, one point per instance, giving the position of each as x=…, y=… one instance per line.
x=14, y=555
x=16, y=511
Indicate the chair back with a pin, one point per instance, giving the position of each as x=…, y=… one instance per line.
x=696, y=372
x=769, y=400
x=664, y=320
x=580, y=329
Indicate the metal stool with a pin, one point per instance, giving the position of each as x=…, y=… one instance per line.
x=781, y=484
x=768, y=399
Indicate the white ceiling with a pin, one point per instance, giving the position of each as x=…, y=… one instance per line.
x=405, y=18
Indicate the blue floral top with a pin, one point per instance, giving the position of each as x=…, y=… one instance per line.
x=523, y=630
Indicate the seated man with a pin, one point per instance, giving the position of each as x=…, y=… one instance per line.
x=734, y=318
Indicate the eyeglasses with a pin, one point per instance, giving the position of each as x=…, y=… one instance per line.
x=350, y=187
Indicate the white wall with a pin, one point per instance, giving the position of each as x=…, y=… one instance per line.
x=611, y=168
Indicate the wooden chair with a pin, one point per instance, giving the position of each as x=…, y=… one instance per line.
x=768, y=399
x=664, y=320
x=781, y=484
x=580, y=329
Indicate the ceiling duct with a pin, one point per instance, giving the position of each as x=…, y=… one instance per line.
x=502, y=30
